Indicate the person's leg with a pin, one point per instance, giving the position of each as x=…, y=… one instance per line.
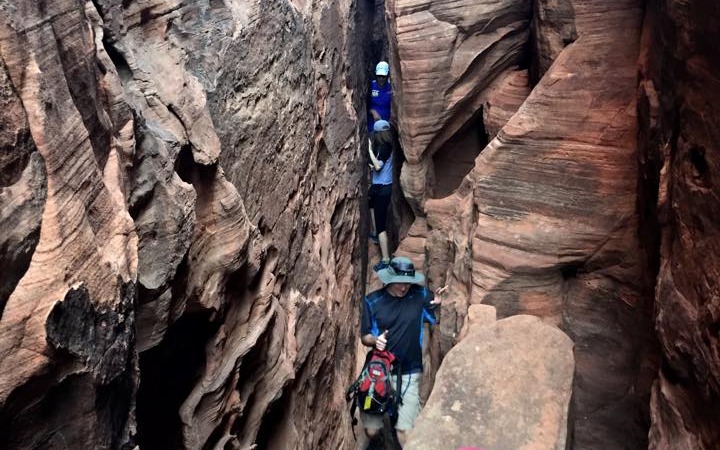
x=410, y=407
x=383, y=240
x=372, y=424
x=381, y=203
x=373, y=228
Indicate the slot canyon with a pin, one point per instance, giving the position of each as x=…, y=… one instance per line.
x=557, y=177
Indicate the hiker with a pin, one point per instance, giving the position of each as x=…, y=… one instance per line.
x=392, y=319
x=380, y=150
x=380, y=100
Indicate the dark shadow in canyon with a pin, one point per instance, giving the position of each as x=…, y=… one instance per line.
x=169, y=372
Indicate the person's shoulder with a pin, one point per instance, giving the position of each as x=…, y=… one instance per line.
x=376, y=295
x=419, y=291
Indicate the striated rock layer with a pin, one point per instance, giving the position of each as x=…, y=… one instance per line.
x=680, y=93
x=181, y=261
x=546, y=224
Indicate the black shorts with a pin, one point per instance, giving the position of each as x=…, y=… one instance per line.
x=379, y=197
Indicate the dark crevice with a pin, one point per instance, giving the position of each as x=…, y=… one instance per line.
x=274, y=419
x=456, y=158
x=184, y=163
x=118, y=59
x=701, y=170
x=168, y=374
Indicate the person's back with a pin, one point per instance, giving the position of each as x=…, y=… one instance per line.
x=380, y=101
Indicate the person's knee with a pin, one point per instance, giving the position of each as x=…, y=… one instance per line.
x=371, y=432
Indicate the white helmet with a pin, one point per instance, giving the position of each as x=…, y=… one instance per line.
x=382, y=69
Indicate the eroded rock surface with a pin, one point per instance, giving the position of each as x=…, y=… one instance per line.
x=505, y=385
x=182, y=262
x=546, y=224
x=680, y=93
x=448, y=53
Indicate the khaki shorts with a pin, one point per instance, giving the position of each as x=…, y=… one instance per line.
x=409, y=409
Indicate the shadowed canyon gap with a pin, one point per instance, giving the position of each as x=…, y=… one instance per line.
x=182, y=214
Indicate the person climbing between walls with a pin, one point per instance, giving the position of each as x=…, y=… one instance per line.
x=380, y=100
x=380, y=150
x=392, y=320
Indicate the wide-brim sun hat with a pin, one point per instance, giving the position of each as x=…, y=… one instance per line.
x=400, y=270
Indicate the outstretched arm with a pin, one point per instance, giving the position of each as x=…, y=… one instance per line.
x=375, y=163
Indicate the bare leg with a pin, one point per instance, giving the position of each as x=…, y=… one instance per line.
x=383, y=238
x=373, y=230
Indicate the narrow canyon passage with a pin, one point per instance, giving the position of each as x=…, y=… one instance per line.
x=184, y=220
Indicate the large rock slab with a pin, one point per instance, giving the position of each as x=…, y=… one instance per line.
x=505, y=386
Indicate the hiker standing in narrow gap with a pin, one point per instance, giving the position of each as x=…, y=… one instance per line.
x=380, y=101
x=393, y=319
x=380, y=151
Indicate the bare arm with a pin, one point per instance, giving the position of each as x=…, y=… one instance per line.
x=368, y=340
x=379, y=342
x=374, y=162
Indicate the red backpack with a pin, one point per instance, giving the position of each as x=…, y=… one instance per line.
x=373, y=392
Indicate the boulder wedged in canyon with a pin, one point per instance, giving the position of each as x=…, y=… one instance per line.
x=679, y=97
x=184, y=256
x=505, y=385
x=545, y=223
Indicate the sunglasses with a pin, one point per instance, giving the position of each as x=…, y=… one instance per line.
x=403, y=268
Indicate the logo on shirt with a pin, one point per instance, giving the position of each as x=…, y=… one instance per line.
x=375, y=93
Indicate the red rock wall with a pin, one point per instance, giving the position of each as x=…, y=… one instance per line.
x=180, y=265
x=680, y=93
x=546, y=222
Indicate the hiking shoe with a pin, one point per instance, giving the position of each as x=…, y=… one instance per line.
x=381, y=265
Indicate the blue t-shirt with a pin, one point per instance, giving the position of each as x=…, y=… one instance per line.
x=380, y=100
x=403, y=317
x=384, y=154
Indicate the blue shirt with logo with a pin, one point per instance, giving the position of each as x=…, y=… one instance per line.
x=380, y=100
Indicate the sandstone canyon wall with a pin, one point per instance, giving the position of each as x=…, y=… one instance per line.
x=679, y=98
x=179, y=255
x=557, y=215
x=181, y=190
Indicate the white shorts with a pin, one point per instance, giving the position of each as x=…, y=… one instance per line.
x=409, y=409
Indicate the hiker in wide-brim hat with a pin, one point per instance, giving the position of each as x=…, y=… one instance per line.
x=392, y=320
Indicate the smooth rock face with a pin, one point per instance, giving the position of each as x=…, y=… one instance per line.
x=448, y=53
x=181, y=263
x=546, y=224
x=506, y=385
x=680, y=93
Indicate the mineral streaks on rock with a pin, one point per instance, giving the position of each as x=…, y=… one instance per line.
x=193, y=167
x=448, y=52
x=680, y=92
x=552, y=29
x=87, y=237
x=22, y=189
x=545, y=223
x=506, y=385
